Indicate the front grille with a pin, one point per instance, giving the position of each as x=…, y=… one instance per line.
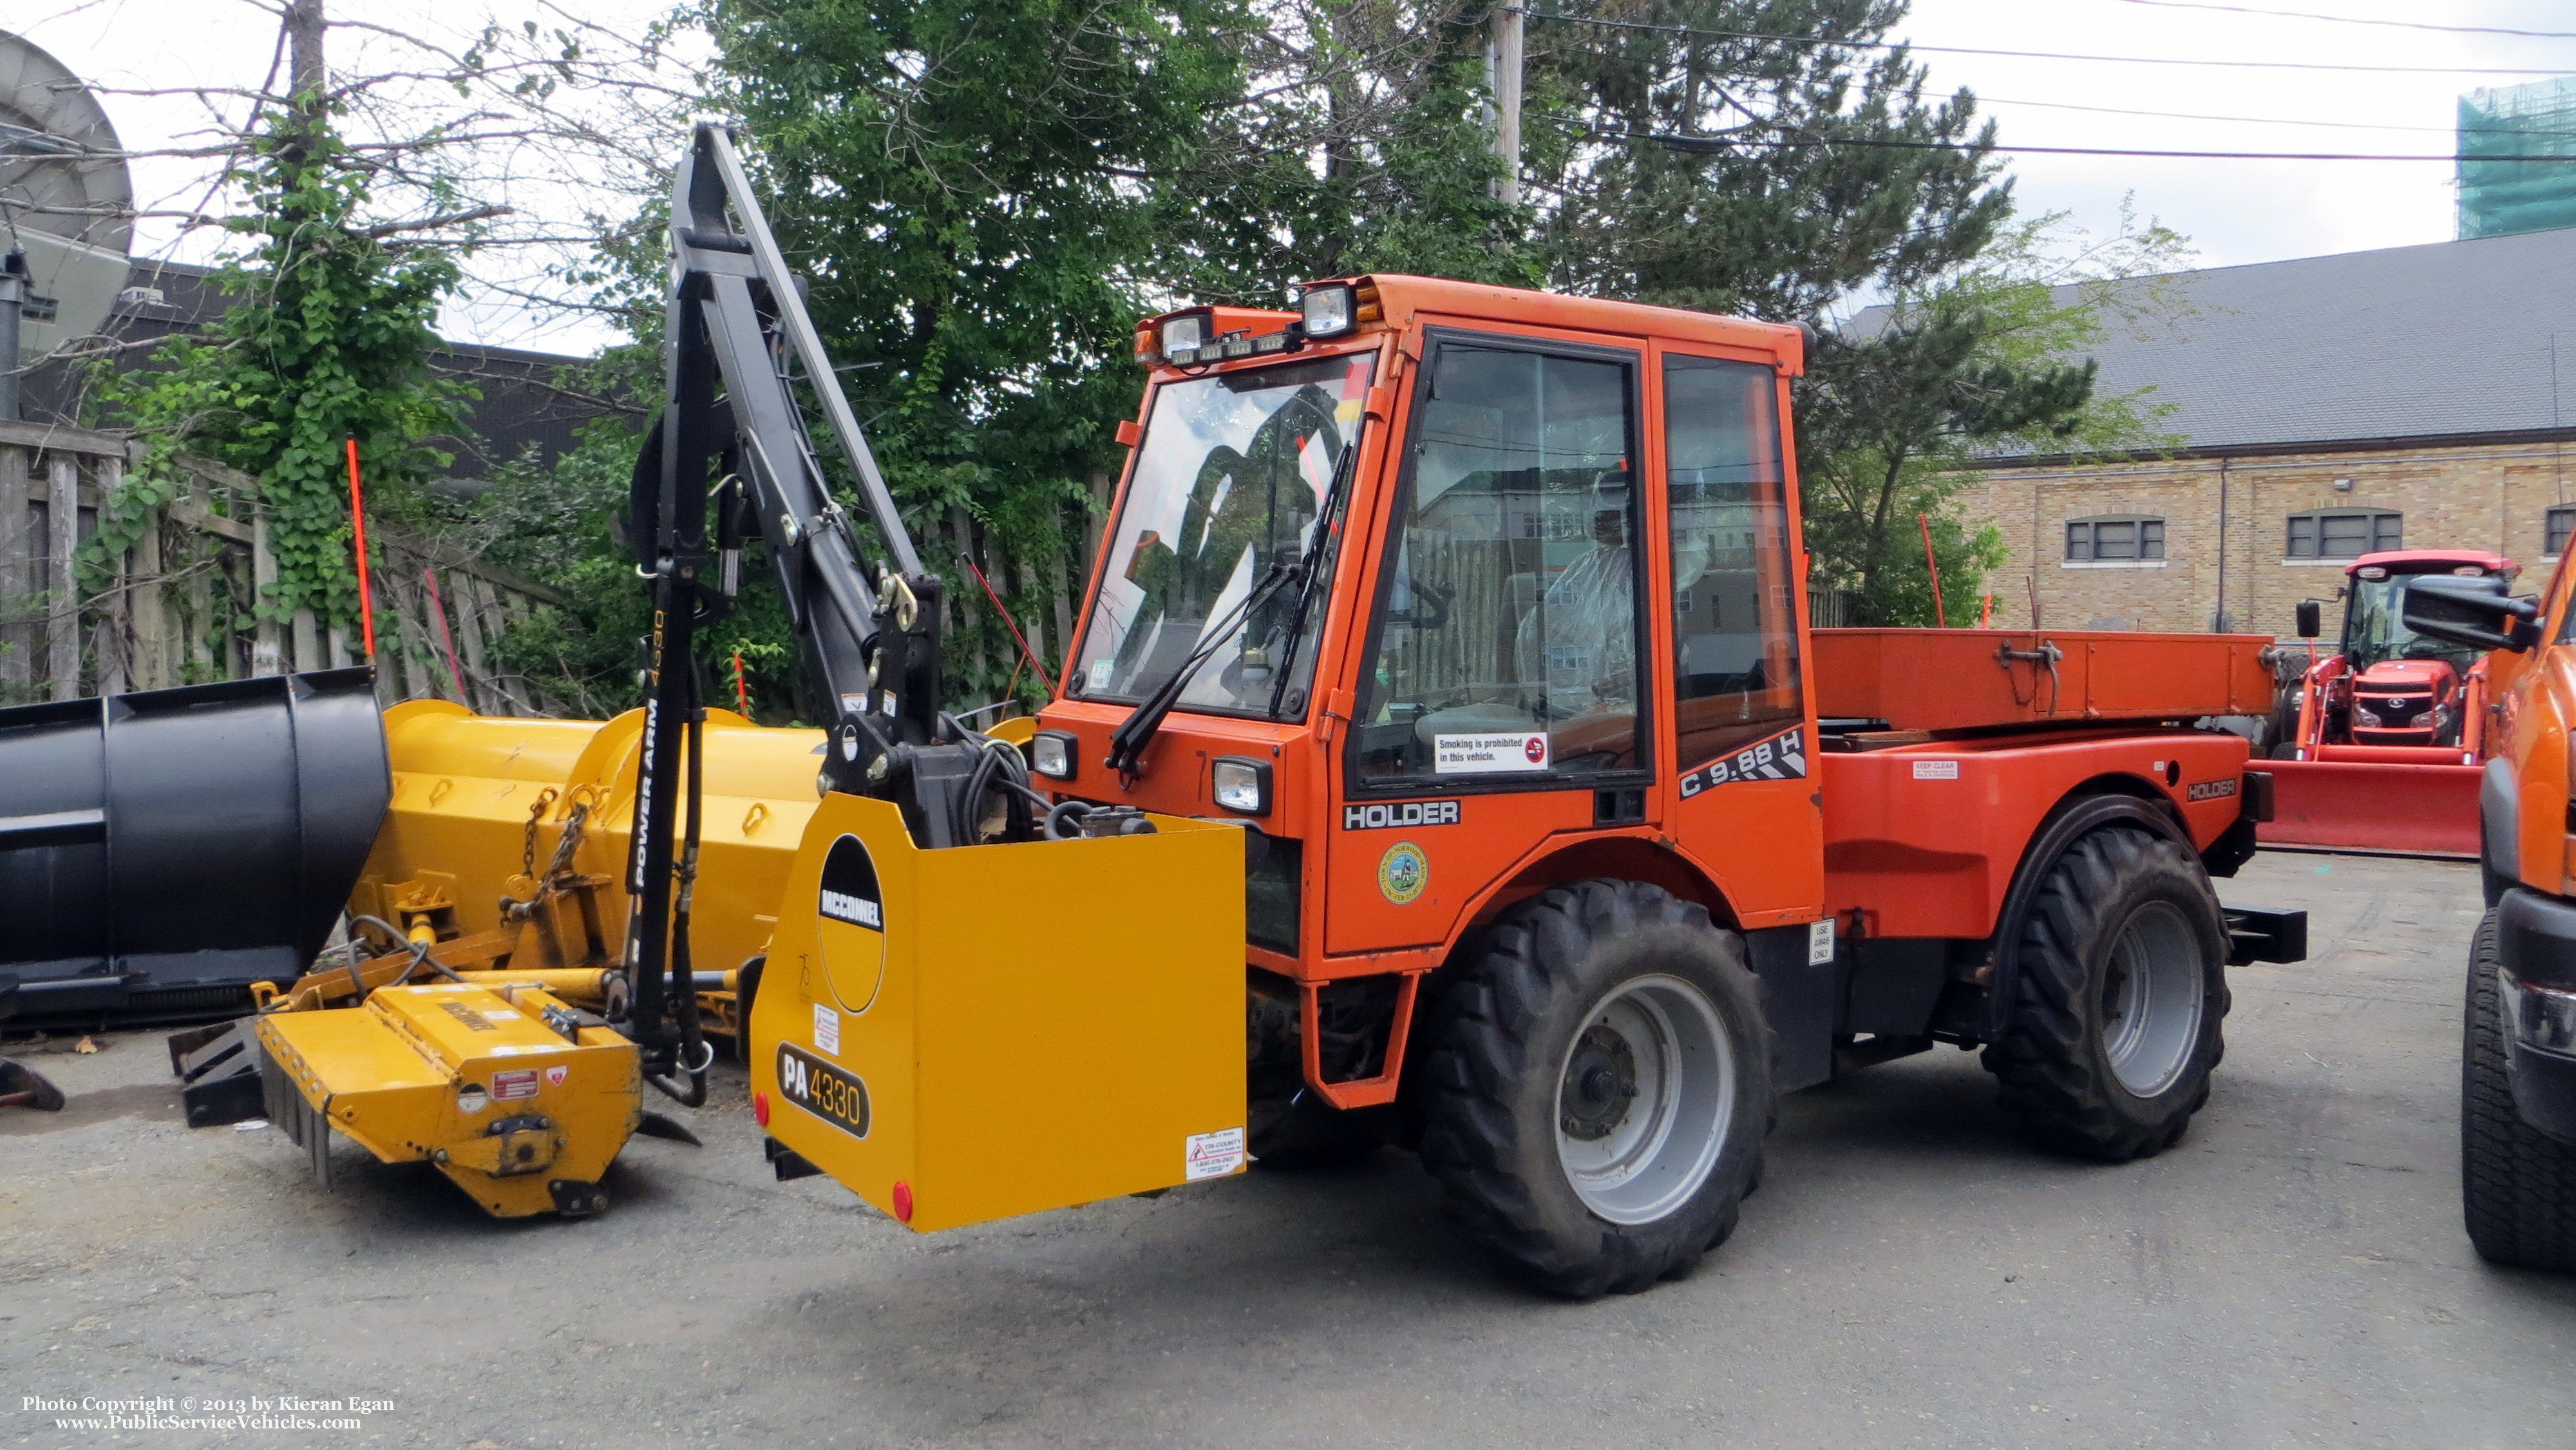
x=2395, y=711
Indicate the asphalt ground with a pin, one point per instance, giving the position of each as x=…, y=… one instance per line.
x=1914, y=1272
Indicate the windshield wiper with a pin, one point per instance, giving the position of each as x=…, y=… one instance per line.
x=1127, y=743
x=1325, y=532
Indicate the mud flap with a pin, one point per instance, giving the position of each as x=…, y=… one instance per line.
x=967, y=1034
x=287, y=1111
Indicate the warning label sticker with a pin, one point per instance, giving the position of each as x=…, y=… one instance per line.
x=1936, y=770
x=1489, y=754
x=518, y=1082
x=1212, y=1155
x=827, y=1029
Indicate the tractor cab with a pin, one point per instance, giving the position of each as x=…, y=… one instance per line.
x=1425, y=572
x=2396, y=687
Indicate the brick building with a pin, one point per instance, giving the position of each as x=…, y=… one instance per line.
x=2408, y=397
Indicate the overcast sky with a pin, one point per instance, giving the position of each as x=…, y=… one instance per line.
x=2234, y=211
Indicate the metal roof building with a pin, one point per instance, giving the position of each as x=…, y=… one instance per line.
x=2417, y=397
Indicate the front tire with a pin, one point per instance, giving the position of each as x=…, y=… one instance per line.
x=1598, y=1097
x=2517, y=1184
x=2112, y=1028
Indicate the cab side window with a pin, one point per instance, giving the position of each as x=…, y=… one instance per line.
x=1505, y=646
x=1735, y=637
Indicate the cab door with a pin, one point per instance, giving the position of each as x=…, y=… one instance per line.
x=1502, y=690
x=1744, y=800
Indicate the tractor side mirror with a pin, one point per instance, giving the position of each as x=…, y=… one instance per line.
x=2311, y=619
x=2470, y=611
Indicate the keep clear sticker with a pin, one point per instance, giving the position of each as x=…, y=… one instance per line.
x=827, y=1029
x=1212, y=1155
x=1936, y=770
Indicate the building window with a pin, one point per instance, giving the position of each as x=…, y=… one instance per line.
x=2105, y=540
x=2343, y=533
x=2562, y=522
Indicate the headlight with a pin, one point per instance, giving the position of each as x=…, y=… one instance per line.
x=1240, y=784
x=1182, y=333
x=1052, y=754
x=2361, y=716
x=1330, y=309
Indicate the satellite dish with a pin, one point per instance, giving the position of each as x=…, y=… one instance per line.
x=66, y=198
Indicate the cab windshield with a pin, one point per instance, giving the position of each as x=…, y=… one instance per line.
x=2374, y=630
x=1230, y=480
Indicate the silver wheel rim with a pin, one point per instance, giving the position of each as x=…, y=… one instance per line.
x=1644, y=1097
x=2151, y=998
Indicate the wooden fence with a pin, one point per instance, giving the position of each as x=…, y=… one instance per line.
x=178, y=608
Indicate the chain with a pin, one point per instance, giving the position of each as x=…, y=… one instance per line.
x=528, y=850
x=571, y=840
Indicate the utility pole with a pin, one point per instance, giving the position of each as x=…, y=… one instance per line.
x=1503, y=71
x=304, y=27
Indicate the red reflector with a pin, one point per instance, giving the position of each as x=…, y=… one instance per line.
x=902, y=1201
x=760, y=1109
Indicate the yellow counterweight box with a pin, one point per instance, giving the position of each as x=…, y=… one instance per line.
x=966, y=1034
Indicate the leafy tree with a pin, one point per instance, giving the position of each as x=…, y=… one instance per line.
x=986, y=199
x=327, y=339
x=970, y=188
x=1898, y=410
x=1361, y=142
x=1761, y=157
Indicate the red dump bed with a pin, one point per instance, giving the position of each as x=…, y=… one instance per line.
x=1925, y=827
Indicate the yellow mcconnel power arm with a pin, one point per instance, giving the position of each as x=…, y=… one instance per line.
x=957, y=997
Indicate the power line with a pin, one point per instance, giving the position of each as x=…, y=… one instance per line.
x=1720, y=144
x=2042, y=54
x=2268, y=120
x=2356, y=20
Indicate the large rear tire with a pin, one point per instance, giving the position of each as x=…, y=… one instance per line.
x=1598, y=1097
x=2112, y=1027
x=2517, y=1184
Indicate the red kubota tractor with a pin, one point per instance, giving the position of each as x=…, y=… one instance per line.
x=2377, y=745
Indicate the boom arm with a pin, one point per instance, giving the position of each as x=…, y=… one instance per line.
x=736, y=320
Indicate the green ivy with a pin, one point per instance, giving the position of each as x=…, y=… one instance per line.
x=327, y=338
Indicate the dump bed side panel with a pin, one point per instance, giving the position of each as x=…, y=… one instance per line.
x=1968, y=679
x=1923, y=839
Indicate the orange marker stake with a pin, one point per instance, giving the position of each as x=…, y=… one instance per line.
x=1939, y=619
x=358, y=516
